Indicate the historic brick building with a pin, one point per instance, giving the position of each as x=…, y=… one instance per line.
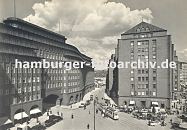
x=144, y=42
x=22, y=89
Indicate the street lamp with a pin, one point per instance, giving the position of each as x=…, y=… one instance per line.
x=94, y=113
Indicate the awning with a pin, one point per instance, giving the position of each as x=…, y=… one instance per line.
x=8, y=122
x=132, y=102
x=35, y=111
x=20, y=115
x=162, y=110
x=154, y=103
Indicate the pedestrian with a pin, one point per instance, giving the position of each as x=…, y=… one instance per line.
x=72, y=116
x=89, y=111
x=37, y=120
x=47, y=113
x=88, y=126
x=149, y=123
x=171, y=121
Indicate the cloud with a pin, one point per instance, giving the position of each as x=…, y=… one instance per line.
x=92, y=25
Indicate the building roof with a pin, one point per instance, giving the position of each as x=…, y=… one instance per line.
x=14, y=19
x=70, y=48
x=143, y=27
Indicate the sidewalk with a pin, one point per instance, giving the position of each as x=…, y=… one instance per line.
x=60, y=109
x=183, y=125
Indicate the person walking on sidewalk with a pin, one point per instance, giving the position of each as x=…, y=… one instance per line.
x=72, y=116
x=88, y=126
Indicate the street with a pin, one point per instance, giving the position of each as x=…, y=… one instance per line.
x=82, y=118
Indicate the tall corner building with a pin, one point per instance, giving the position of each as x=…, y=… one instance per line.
x=24, y=89
x=148, y=43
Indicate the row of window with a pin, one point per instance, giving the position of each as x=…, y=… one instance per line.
x=74, y=71
x=37, y=70
x=143, y=43
x=72, y=90
x=143, y=57
x=55, y=71
x=4, y=91
x=54, y=85
x=142, y=86
x=52, y=78
x=48, y=55
x=143, y=79
x=27, y=98
x=22, y=70
x=29, y=89
x=25, y=80
x=143, y=93
x=73, y=77
x=144, y=71
x=73, y=83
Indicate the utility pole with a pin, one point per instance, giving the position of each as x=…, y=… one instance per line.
x=14, y=8
x=94, y=114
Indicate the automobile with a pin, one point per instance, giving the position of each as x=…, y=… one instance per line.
x=55, y=118
x=136, y=114
x=49, y=123
x=52, y=120
x=163, y=113
x=183, y=117
x=38, y=127
x=131, y=106
x=153, y=123
x=175, y=123
x=149, y=116
x=144, y=110
x=83, y=104
x=87, y=102
x=121, y=108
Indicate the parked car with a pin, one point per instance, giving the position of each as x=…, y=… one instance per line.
x=49, y=123
x=87, y=102
x=83, y=104
x=52, y=120
x=153, y=123
x=163, y=113
x=131, y=106
x=38, y=127
x=175, y=123
x=55, y=118
x=121, y=108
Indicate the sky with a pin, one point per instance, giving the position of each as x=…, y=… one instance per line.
x=94, y=26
